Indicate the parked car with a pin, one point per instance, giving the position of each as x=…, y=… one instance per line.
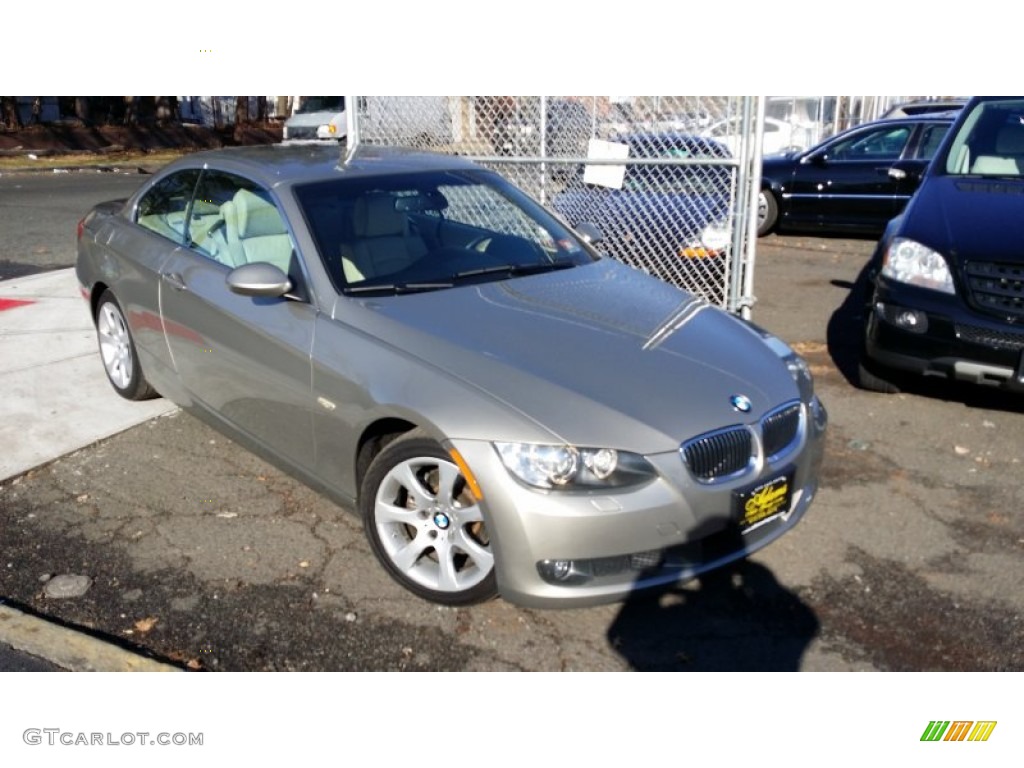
x=508, y=411
x=515, y=130
x=317, y=118
x=779, y=135
x=947, y=279
x=661, y=212
x=853, y=182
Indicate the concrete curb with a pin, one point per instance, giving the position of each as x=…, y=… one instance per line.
x=128, y=170
x=68, y=649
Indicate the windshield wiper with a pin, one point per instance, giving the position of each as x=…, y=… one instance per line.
x=514, y=270
x=397, y=288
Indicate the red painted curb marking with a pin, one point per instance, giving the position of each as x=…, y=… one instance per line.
x=12, y=303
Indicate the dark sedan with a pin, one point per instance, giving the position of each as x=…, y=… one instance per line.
x=852, y=183
x=671, y=210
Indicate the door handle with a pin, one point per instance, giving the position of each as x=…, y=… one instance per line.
x=174, y=279
x=897, y=173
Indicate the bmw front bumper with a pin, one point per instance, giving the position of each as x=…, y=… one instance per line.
x=562, y=549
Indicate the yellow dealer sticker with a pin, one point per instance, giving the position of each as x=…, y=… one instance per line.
x=764, y=501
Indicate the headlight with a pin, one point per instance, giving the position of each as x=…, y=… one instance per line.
x=714, y=240
x=571, y=468
x=907, y=261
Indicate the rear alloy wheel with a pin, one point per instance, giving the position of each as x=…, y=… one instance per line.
x=767, y=212
x=117, y=350
x=424, y=524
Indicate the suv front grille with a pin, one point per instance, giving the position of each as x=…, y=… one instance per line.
x=719, y=454
x=780, y=428
x=997, y=289
x=997, y=339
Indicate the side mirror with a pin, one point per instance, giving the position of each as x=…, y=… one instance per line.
x=589, y=232
x=258, y=279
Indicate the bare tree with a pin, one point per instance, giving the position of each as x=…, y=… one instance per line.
x=11, y=117
x=82, y=108
x=167, y=109
x=241, y=110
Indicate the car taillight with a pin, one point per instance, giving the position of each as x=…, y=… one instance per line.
x=81, y=227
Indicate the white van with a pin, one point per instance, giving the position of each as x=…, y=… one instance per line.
x=318, y=117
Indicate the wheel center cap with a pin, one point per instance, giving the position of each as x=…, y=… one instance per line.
x=442, y=521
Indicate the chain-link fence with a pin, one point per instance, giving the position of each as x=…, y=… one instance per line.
x=666, y=179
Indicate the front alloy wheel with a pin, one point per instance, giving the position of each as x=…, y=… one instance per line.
x=767, y=212
x=424, y=524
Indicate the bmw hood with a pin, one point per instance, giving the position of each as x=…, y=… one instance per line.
x=588, y=352
x=968, y=218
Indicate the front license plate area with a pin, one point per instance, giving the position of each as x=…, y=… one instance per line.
x=759, y=503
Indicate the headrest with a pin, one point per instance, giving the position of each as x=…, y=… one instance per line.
x=1010, y=140
x=375, y=216
x=256, y=217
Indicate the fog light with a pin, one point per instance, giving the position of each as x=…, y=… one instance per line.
x=911, y=320
x=561, y=571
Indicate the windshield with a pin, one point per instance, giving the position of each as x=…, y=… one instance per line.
x=321, y=104
x=990, y=141
x=433, y=230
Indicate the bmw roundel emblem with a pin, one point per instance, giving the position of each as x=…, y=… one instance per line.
x=441, y=520
x=741, y=403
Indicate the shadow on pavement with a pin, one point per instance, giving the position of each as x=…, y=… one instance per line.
x=736, y=618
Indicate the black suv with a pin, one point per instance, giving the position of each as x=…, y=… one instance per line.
x=947, y=277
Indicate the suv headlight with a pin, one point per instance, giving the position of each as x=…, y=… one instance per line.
x=907, y=261
x=567, y=467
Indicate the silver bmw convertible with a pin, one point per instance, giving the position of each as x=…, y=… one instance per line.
x=509, y=411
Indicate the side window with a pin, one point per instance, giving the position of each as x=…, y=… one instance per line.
x=235, y=222
x=164, y=207
x=931, y=138
x=879, y=144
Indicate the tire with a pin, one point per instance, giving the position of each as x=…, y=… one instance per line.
x=117, y=351
x=424, y=525
x=873, y=379
x=767, y=212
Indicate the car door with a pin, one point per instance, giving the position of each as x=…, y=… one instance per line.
x=908, y=172
x=245, y=359
x=143, y=242
x=845, y=185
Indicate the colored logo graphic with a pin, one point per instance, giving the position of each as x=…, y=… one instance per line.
x=767, y=500
x=959, y=730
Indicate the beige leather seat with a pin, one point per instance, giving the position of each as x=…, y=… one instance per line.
x=1009, y=153
x=383, y=243
x=255, y=231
